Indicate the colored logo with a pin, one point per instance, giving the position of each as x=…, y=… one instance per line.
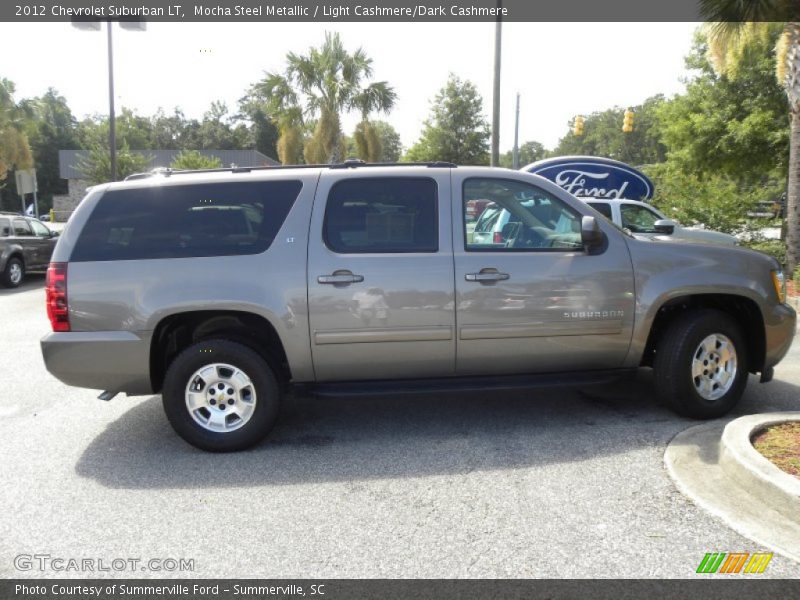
x=730, y=563
x=594, y=177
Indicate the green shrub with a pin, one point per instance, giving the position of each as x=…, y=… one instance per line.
x=775, y=248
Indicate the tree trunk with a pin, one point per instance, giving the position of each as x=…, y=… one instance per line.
x=792, y=197
x=792, y=86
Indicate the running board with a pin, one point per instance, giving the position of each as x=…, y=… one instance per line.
x=465, y=384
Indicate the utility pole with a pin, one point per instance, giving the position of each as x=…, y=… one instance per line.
x=498, y=39
x=516, y=136
x=112, y=119
x=132, y=25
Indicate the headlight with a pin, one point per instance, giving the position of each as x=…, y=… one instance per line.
x=779, y=281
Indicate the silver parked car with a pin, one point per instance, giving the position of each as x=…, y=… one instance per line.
x=219, y=289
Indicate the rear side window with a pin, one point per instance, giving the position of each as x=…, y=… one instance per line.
x=22, y=229
x=604, y=208
x=388, y=214
x=5, y=227
x=181, y=221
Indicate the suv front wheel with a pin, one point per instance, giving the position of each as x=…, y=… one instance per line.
x=701, y=364
x=221, y=396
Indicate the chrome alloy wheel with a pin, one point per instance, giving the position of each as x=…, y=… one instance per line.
x=714, y=366
x=220, y=397
x=15, y=273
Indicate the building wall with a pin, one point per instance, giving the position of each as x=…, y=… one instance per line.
x=64, y=204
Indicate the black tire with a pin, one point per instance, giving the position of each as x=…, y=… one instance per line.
x=6, y=278
x=267, y=395
x=673, y=364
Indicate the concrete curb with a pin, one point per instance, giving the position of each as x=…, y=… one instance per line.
x=748, y=468
x=693, y=462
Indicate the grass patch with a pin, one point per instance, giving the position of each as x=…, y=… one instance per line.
x=781, y=445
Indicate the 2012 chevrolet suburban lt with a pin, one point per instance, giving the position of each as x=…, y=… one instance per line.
x=219, y=289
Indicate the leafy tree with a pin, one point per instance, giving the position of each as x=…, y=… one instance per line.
x=321, y=85
x=264, y=128
x=219, y=131
x=391, y=147
x=735, y=126
x=15, y=150
x=456, y=130
x=51, y=128
x=96, y=165
x=715, y=200
x=134, y=129
x=731, y=45
x=192, y=159
x=528, y=152
x=603, y=135
x=173, y=131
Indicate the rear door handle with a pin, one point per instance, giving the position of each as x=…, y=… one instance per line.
x=340, y=278
x=486, y=276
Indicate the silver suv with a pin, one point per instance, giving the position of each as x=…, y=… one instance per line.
x=220, y=289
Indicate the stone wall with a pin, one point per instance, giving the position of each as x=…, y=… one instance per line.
x=64, y=204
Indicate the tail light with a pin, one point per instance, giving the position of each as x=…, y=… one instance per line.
x=498, y=238
x=56, y=294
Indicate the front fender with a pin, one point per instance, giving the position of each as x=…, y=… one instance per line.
x=664, y=272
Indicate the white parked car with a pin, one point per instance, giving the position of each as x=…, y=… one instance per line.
x=641, y=219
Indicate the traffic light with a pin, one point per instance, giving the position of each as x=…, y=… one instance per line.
x=627, y=121
x=577, y=126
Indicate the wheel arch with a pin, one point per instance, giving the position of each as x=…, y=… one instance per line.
x=178, y=331
x=745, y=311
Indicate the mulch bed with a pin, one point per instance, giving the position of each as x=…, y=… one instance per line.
x=781, y=445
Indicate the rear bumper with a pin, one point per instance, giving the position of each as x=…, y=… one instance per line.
x=779, y=329
x=117, y=361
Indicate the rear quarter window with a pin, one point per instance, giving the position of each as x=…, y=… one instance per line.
x=604, y=208
x=182, y=221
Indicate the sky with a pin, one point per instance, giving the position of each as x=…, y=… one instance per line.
x=560, y=69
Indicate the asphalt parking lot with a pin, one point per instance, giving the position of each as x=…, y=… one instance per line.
x=524, y=484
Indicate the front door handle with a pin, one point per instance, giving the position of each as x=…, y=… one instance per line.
x=487, y=276
x=340, y=278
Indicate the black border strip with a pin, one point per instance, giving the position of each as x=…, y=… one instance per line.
x=708, y=587
x=394, y=10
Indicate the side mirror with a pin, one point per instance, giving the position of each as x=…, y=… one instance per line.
x=53, y=233
x=591, y=234
x=665, y=226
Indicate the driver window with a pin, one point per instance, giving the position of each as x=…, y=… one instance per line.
x=526, y=218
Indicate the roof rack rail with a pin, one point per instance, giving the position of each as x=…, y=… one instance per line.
x=350, y=163
x=353, y=163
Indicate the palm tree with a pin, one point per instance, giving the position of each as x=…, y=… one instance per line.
x=15, y=151
x=321, y=86
x=369, y=100
x=732, y=27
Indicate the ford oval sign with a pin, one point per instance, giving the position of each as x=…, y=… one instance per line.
x=594, y=177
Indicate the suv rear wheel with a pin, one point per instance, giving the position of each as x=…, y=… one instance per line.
x=221, y=396
x=14, y=273
x=701, y=365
